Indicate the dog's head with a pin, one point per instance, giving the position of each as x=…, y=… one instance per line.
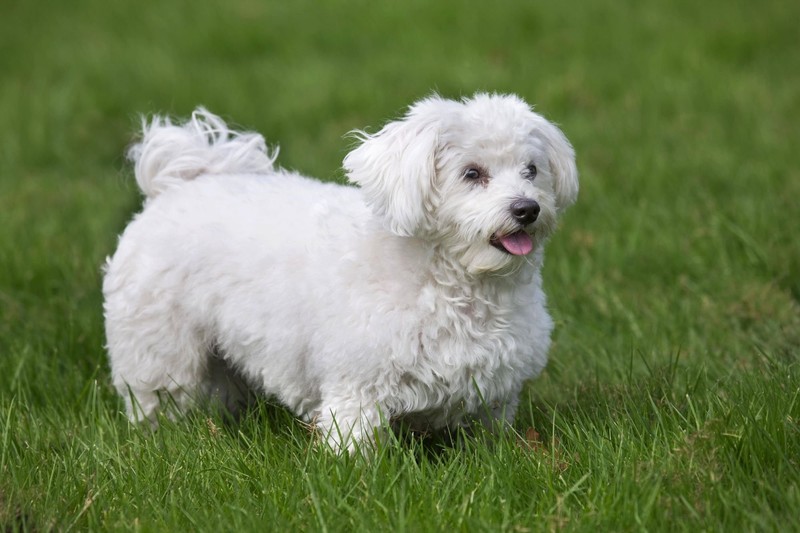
x=485, y=177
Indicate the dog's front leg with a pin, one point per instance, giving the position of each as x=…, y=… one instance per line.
x=349, y=426
x=497, y=416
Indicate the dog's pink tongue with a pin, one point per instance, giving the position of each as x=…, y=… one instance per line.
x=518, y=243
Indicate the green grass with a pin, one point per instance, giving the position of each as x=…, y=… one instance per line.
x=671, y=401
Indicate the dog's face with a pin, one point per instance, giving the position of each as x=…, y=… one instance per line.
x=485, y=178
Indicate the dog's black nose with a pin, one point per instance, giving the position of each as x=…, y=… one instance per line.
x=525, y=211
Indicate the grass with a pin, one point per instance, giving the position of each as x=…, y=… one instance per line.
x=671, y=401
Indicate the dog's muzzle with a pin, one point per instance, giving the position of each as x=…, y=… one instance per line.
x=525, y=212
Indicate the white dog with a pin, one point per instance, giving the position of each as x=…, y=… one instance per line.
x=415, y=297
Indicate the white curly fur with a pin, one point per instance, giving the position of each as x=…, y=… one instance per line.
x=391, y=301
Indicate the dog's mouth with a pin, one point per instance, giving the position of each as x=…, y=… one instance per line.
x=517, y=243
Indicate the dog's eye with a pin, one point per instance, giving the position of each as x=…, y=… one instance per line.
x=472, y=174
x=531, y=170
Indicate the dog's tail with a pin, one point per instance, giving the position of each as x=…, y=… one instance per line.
x=170, y=154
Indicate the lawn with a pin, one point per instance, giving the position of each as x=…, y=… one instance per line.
x=671, y=400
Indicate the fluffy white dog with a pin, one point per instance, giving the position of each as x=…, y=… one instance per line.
x=415, y=297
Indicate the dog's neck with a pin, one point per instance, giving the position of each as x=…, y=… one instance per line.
x=435, y=265
x=451, y=262
x=453, y=279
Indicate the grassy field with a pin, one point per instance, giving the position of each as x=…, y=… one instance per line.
x=671, y=401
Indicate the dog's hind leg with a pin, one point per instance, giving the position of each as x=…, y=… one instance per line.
x=158, y=363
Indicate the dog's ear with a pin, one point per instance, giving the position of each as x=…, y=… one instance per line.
x=396, y=166
x=562, y=162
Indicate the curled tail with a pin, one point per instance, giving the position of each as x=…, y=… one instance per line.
x=169, y=154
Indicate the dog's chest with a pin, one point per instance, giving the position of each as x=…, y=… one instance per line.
x=469, y=353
